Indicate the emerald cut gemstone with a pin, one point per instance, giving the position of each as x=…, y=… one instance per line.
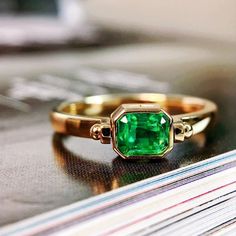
x=143, y=133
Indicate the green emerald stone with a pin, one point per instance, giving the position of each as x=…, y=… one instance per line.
x=143, y=134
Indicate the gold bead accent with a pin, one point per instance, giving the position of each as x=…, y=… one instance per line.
x=188, y=130
x=98, y=132
x=182, y=130
x=95, y=131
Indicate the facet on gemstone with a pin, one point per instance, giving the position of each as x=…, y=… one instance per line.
x=142, y=133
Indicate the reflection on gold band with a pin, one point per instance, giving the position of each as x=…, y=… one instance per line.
x=104, y=177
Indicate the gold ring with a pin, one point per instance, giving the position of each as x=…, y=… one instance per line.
x=144, y=125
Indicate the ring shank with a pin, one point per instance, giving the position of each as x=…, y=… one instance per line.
x=77, y=118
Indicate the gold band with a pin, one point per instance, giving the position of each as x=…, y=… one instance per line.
x=77, y=118
x=86, y=118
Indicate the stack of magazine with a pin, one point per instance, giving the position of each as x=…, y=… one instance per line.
x=199, y=199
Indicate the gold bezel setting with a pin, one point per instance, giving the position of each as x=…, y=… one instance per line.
x=139, y=108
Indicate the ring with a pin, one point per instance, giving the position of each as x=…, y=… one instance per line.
x=139, y=126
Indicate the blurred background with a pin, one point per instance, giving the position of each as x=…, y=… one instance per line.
x=171, y=39
x=56, y=50
x=164, y=41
